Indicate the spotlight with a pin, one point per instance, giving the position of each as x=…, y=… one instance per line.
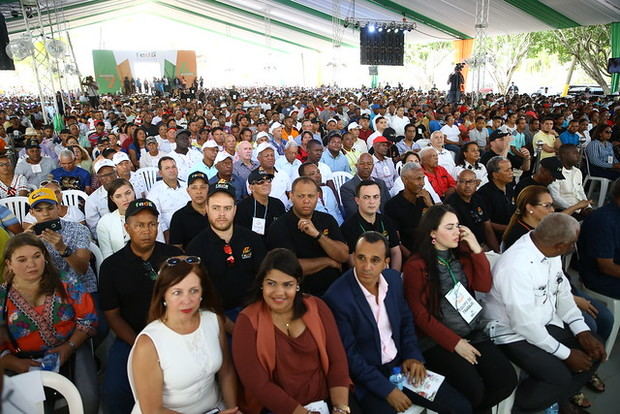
x=371, y=28
x=381, y=27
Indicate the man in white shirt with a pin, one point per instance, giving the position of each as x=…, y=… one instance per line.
x=384, y=166
x=96, y=205
x=327, y=201
x=534, y=319
x=358, y=143
x=381, y=124
x=445, y=157
x=152, y=155
x=123, y=170
x=169, y=194
x=288, y=163
x=281, y=182
x=399, y=121
x=184, y=155
x=569, y=191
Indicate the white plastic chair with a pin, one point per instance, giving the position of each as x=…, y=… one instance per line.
x=614, y=307
x=423, y=142
x=17, y=205
x=339, y=178
x=65, y=388
x=73, y=198
x=96, y=251
x=150, y=176
x=603, y=184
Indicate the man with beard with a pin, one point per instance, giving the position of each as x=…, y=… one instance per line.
x=231, y=254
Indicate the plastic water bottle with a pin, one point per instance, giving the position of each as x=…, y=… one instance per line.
x=397, y=378
x=554, y=409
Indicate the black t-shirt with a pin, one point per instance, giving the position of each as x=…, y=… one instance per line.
x=232, y=280
x=470, y=214
x=126, y=282
x=284, y=233
x=515, y=161
x=405, y=216
x=354, y=226
x=186, y=223
x=248, y=208
x=498, y=205
x=519, y=229
x=525, y=182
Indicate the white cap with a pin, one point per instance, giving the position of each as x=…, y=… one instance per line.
x=209, y=144
x=221, y=156
x=263, y=146
x=274, y=126
x=262, y=134
x=120, y=157
x=223, y=105
x=353, y=125
x=330, y=120
x=103, y=163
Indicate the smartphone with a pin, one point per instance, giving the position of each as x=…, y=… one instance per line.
x=213, y=411
x=51, y=224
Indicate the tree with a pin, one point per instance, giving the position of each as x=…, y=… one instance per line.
x=427, y=57
x=589, y=45
x=507, y=53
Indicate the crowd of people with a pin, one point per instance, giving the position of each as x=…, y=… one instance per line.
x=301, y=247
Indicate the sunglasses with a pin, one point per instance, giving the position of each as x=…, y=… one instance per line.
x=262, y=181
x=230, y=260
x=173, y=261
x=46, y=182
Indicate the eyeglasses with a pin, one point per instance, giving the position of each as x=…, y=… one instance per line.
x=173, y=261
x=46, y=182
x=607, y=131
x=5, y=164
x=230, y=260
x=545, y=205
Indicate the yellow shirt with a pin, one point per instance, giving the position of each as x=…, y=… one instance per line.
x=547, y=139
x=352, y=157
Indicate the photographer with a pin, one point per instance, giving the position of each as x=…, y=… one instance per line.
x=456, y=80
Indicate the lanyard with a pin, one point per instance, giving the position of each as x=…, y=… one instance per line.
x=382, y=228
x=447, y=264
x=266, y=207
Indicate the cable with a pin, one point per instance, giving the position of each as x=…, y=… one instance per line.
x=436, y=37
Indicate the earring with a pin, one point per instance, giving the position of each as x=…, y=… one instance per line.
x=531, y=212
x=165, y=304
x=201, y=298
x=297, y=288
x=434, y=241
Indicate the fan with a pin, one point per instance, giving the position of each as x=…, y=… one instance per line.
x=55, y=48
x=20, y=49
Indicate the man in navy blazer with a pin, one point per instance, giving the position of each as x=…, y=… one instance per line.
x=379, y=335
x=364, y=166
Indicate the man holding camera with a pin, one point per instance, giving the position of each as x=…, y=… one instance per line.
x=456, y=80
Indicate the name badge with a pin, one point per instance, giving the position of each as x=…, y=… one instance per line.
x=36, y=168
x=386, y=170
x=420, y=131
x=258, y=225
x=463, y=302
x=610, y=159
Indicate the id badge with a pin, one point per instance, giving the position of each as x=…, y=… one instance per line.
x=36, y=168
x=610, y=159
x=463, y=302
x=258, y=225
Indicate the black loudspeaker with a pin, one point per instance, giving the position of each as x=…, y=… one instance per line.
x=6, y=63
x=373, y=70
x=381, y=47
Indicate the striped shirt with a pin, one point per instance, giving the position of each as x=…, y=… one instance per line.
x=599, y=153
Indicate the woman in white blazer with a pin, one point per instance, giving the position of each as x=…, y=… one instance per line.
x=111, y=234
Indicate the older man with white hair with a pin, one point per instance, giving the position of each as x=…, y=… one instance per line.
x=244, y=164
x=533, y=317
x=288, y=163
x=438, y=176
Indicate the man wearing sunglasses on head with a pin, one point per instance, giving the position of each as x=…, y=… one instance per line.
x=230, y=253
x=125, y=287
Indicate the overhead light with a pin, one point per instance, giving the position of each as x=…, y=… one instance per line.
x=371, y=28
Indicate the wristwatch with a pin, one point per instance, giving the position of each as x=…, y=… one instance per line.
x=318, y=236
x=343, y=409
x=68, y=252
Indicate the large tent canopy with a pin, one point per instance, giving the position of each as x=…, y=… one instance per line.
x=308, y=24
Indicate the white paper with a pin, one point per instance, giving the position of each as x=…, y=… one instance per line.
x=36, y=168
x=22, y=393
x=258, y=225
x=318, y=406
x=428, y=389
x=463, y=302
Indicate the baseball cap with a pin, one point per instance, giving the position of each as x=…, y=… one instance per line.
x=139, y=205
x=365, y=116
x=274, y=126
x=330, y=120
x=197, y=175
x=31, y=131
x=498, y=133
x=151, y=140
x=553, y=165
x=42, y=195
x=222, y=187
x=101, y=140
x=257, y=175
x=103, y=163
x=263, y=146
x=380, y=139
x=221, y=156
x=261, y=135
x=32, y=143
x=353, y=125
x=209, y=144
x=120, y=157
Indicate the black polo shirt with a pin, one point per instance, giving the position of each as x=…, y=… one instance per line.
x=232, y=281
x=249, y=208
x=125, y=282
x=525, y=182
x=355, y=226
x=498, y=205
x=515, y=160
x=471, y=215
x=284, y=233
x=185, y=224
x=405, y=216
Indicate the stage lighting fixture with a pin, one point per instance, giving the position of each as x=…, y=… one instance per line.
x=371, y=28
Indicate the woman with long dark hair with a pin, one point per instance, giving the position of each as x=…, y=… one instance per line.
x=180, y=361
x=440, y=278
x=533, y=204
x=134, y=149
x=286, y=345
x=602, y=159
x=47, y=312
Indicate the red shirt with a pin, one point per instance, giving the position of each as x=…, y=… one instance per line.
x=441, y=180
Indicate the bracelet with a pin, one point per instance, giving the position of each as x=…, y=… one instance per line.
x=341, y=410
x=318, y=236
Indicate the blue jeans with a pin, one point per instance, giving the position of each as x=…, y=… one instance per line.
x=603, y=322
x=116, y=396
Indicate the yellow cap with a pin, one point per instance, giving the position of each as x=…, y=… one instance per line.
x=42, y=195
